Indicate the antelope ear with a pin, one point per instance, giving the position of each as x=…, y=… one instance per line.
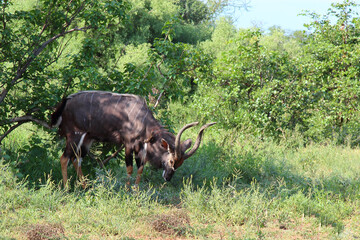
x=165, y=145
x=185, y=145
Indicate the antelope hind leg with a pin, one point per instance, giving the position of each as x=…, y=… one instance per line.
x=64, y=161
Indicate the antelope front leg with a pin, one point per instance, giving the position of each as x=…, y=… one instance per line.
x=129, y=163
x=140, y=167
x=138, y=176
x=129, y=170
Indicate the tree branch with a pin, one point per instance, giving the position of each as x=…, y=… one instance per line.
x=9, y=131
x=158, y=67
x=35, y=53
x=21, y=69
x=158, y=99
x=25, y=119
x=21, y=120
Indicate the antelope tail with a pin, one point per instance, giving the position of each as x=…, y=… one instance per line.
x=56, y=116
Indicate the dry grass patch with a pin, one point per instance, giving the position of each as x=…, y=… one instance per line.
x=45, y=231
x=174, y=223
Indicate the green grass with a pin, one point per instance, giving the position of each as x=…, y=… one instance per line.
x=235, y=187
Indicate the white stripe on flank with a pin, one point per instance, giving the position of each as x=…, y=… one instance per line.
x=80, y=143
x=118, y=101
x=140, y=110
x=134, y=105
x=147, y=111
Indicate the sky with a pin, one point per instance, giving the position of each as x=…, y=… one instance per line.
x=283, y=13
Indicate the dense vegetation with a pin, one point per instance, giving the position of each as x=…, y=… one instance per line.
x=281, y=162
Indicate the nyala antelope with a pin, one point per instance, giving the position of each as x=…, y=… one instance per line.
x=124, y=120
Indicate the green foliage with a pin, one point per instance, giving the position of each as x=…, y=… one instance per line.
x=194, y=11
x=221, y=39
x=271, y=83
x=254, y=86
x=330, y=69
x=178, y=64
x=145, y=21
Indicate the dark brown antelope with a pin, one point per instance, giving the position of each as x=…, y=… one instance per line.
x=122, y=119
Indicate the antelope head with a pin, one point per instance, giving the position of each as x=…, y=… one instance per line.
x=175, y=156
